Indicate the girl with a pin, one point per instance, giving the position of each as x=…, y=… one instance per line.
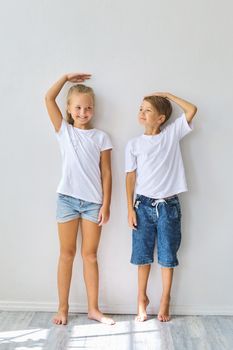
x=84, y=191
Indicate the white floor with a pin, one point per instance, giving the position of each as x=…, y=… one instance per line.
x=34, y=331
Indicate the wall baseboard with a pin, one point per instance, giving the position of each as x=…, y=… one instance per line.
x=117, y=308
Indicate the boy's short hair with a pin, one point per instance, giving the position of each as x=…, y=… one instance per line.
x=161, y=104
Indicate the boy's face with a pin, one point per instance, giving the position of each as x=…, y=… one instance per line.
x=149, y=116
x=81, y=108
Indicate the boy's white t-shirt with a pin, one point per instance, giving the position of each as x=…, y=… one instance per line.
x=80, y=150
x=157, y=160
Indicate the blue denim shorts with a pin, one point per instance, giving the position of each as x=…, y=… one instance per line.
x=157, y=220
x=70, y=208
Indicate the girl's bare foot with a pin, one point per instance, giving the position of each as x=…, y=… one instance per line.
x=142, y=305
x=98, y=316
x=163, y=315
x=61, y=317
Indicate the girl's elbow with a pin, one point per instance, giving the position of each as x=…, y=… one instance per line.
x=48, y=97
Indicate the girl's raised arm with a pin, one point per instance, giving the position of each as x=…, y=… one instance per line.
x=50, y=97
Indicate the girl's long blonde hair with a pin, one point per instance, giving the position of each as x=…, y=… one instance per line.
x=78, y=88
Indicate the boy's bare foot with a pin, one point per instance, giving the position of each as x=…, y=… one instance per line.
x=163, y=315
x=142, y=305
x=98, y=316
x=61, y=317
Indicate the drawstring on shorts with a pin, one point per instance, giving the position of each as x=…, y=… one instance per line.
x=156, y=204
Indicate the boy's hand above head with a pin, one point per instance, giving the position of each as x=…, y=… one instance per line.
x=189, y=109
x=161, y=94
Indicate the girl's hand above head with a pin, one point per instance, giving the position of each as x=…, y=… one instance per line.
x=78, y=77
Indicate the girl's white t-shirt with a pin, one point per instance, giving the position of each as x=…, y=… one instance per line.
x=80, y=150
x=157, y=160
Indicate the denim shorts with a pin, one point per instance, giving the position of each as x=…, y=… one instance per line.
x=70, y=208
x=157, y=220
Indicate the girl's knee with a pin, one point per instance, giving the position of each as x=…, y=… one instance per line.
x=89, y=257
x=67, y=255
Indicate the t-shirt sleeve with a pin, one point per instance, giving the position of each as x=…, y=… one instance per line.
x=181, y=127
x=106, y=143
x=130, y=158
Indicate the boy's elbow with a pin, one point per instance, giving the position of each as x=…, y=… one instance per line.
x=130, y=175
x=194, y=109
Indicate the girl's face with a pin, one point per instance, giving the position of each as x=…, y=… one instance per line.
x=81, y=108
x=149, y=116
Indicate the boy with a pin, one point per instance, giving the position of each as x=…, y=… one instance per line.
x=155, y=173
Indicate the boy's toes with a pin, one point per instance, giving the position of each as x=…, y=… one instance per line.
x=163, y=318
x=63, y=320
x=60, y=318
x=141, y=318
x=160, y=318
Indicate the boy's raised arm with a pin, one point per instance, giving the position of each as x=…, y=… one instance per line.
x=188, y=108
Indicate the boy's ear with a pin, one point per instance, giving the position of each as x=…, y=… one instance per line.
x=162, y=118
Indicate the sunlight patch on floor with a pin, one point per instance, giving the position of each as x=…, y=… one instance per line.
x=124, y=335
x=130, y=334
x=31, y=338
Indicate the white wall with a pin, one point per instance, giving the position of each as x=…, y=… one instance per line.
x=132, y=48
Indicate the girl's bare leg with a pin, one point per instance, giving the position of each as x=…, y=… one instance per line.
x=167, y=275
x=90, y=240
x=67, y=236
x=143, y=301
